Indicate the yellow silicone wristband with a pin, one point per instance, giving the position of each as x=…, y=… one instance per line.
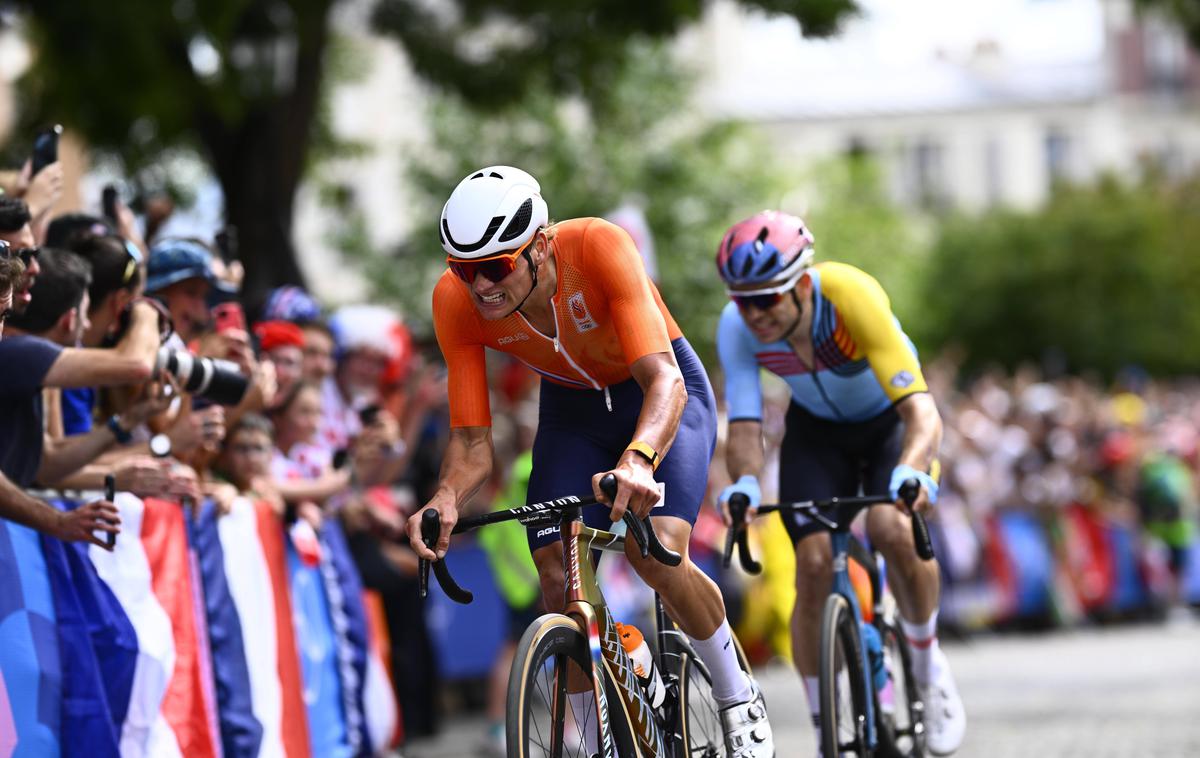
x=643, y=449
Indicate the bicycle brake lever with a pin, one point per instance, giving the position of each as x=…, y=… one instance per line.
x=909, y=491
x=739, y=536
x=660, y=551
x=638, y=531
x=641, y=529
x=431, y=531
x=737, y=514
x=750, y=565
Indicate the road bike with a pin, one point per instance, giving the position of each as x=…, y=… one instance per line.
x=579, y=651
x=869, y=700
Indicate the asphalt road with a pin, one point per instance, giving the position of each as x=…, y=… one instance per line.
x=1124, y=692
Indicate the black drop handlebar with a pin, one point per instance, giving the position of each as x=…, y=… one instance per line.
x=739, y=504
x=431, y=529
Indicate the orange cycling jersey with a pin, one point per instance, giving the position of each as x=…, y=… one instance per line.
x=607, y=314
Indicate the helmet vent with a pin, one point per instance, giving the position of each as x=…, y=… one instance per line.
x=769, y=264
x=747, y=262
x=519, y=223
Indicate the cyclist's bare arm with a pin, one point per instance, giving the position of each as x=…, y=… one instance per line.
x=662, y=406
x=744, y=448
x=466, y=465
x=922, y=435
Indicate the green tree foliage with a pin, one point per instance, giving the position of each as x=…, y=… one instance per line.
x=238, y=80
x=241, y=81
x=1106, y=275
x=640, y=142
x=493, y=51
x=855, y=222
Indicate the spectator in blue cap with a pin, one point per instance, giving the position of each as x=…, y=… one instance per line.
x=180, y=274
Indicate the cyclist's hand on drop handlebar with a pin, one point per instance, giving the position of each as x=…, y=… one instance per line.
x=746, y=485
x=927, y=496
x=636, y=489
x=449, y=514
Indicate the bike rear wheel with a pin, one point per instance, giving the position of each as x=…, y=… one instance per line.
x=700, y=734
x=901, y=721
x=843, y=693
x=540, y=722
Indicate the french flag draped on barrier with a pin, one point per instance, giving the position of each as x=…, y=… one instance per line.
x=192, y=638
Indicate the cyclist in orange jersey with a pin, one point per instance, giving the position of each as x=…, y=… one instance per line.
x=622, y=392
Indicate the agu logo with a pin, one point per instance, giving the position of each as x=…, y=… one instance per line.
x=511, y=338
x=580, y=313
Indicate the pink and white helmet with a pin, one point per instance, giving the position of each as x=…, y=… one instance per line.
x=770, y=246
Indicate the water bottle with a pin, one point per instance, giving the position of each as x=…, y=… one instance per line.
x=643, y=663
x=875, y=652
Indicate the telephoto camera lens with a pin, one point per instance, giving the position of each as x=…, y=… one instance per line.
x=215, y=380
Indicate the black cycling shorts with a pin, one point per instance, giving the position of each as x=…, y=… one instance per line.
x=821, y=459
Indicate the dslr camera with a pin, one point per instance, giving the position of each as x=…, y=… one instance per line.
x=212, y=379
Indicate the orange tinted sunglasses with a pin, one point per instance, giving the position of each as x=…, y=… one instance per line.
x=494, y=268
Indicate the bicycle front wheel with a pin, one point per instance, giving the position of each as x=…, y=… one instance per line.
x=540, y=721
x=700, y=733
x=901, y=727
x=842, y=689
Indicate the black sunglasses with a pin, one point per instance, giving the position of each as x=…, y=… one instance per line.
x=27, y=254
x=759, y=302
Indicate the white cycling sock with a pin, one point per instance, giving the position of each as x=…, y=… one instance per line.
x=922, y=643
x=583, y=706
x=812, y=687
x=730, y=684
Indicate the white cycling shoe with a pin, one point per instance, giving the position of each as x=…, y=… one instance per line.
x=945, y=718
x=747, y=731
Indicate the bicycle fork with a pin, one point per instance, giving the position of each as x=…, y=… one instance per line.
x=843, y=587
x=587, y=607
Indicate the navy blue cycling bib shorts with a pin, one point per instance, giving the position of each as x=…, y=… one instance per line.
x=578, y=437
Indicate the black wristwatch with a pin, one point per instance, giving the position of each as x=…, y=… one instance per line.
x=114, y=425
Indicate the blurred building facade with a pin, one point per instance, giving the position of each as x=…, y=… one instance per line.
x=986, y=125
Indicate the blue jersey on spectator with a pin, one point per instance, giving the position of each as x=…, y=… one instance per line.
x=78, y=405
x=26, y=362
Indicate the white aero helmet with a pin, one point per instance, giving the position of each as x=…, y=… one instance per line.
x=494, y=209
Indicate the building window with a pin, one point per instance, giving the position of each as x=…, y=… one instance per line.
x=1058, y=156
x=929, y=184
x=993, y=171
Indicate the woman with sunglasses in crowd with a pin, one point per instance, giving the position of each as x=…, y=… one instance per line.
x=622, y=392
x=861, y=417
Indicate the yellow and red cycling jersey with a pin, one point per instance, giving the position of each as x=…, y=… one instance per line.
x=607, y=312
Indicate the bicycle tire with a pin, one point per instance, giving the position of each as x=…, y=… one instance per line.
x=843, y=701
x=699, y=733
x=901, y=738
x=531, y=722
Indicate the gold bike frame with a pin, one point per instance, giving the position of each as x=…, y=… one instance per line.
x=586, y=605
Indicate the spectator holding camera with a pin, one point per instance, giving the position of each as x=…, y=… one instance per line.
x=21, y=422
x=116, y=280
x=47, y=335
